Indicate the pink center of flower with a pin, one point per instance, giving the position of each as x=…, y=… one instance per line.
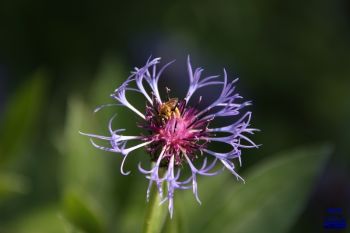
x=175, y=129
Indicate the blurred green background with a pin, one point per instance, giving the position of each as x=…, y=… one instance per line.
x=61, y=59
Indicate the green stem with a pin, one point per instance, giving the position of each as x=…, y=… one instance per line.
x=156, y=214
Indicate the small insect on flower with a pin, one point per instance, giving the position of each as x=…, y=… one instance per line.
x=169, y=109
x=178, y=134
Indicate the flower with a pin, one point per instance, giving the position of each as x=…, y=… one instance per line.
x=179, y=134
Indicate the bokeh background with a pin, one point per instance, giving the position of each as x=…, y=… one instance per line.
x=61, y=59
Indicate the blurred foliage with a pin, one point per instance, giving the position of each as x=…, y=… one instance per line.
x=46, y=219
x=10, y=185
x=21, y=116
x=84, y=172
x=273, y=196
x=19, y=121
x=87, y=180
x=293, y=61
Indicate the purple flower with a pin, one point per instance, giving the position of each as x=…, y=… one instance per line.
x=178, y=135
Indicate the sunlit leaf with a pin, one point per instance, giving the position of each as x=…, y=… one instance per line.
x=11, y=184
x=86, y=169
x=270, y=201
x=21, y=115
x=83, y=165
x=47, y=219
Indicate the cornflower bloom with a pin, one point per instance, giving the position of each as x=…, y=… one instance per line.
x=179, y=134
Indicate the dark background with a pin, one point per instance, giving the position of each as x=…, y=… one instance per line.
x=292, y=57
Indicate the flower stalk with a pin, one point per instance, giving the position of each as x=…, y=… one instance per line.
x=156, y=214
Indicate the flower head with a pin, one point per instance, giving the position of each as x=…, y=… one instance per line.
x=178, y=135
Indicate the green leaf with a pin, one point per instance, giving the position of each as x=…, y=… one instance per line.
x=47, y=219
x=270, y=201
x=84, y=166
x=81, y=212
x=86, y=171
x=12, y=184
x=110, y=75
x=21, y=116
